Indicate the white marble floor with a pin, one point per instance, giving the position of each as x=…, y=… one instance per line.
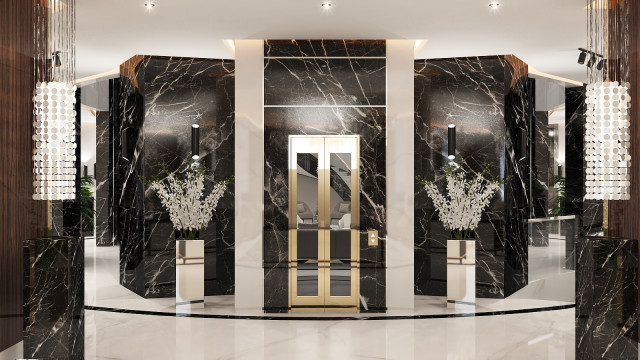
x=543, y=335
x=110, y=335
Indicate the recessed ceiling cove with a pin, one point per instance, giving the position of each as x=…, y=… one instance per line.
x=544, y=33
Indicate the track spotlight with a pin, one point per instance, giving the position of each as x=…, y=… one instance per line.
x=582, y=57
x=601, y=63
x=592, y=60
x=56, y=59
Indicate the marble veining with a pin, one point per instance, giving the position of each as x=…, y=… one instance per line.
x=103, y=179
x=157, y=108
x=54, y=298
x=325, y=48
x=342, y=90
x=591, y=211
x=487, y=98
x=606, y=318
x=326, y=81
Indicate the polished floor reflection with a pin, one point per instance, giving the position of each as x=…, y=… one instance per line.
x=543, y=335
x=102, y=289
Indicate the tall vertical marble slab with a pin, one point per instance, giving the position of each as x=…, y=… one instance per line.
x=591, y=211
x=103, y=180
x=314, y=87
x=54, y=298
x=159, y=99
x=606, y=298
x=488, y=99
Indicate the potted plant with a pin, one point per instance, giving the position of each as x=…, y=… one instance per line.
x=182, y=196
x=460, y=210
x=190, y=213
x=87, y=211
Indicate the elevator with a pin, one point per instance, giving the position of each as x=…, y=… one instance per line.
x=324, y=223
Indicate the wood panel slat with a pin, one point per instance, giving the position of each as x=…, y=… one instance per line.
x=20, y=216
x=624, y=216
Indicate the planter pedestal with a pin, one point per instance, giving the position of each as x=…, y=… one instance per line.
x=461, y=274
x=189, y=274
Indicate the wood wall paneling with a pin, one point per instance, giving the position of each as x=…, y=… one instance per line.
x=20, y=216
x=624, y=220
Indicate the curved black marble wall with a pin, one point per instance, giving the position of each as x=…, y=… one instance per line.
x=310, y=92
x=160, y=98
x=488, y=100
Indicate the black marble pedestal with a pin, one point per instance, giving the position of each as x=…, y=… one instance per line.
x=54, y=298
x=606, y=298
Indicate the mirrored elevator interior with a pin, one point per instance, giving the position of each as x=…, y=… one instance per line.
x=324, y=223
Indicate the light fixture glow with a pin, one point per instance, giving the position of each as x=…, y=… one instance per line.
x=607, y=141
x=326, y=5
x=195, y=141
x=494, y=4
x=451, y=137
x=149, y=5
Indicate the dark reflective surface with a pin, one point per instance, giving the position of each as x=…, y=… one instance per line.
x=307, y=213
x=340, y=205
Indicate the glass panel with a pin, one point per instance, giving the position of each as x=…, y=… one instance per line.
x=307, y=213
x=340, y=223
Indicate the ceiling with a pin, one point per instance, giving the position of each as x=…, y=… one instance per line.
x=543, y=33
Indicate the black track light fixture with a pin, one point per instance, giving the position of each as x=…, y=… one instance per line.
x=592, y=60
x=601, y=63
x=582, y=57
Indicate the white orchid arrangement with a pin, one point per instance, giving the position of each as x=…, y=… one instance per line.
x=181, y=194
x=461, y=208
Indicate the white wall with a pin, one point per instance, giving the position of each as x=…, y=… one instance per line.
x=87, y=139
x=400, y=178
x=249, y=165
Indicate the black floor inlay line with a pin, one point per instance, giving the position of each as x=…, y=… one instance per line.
x=331, y=318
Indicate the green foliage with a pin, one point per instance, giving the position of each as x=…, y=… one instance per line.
x=86, y=199
x=559, y=200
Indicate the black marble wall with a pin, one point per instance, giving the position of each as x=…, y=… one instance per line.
x=488, y=99
x=591, y=211
x=103, y=95
x=308, y=91
x=160, y=98
x=606, y=298
x=54, y=298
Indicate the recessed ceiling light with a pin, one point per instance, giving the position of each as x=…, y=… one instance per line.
x=326, y=5
x=494, y=4
x=149, y=5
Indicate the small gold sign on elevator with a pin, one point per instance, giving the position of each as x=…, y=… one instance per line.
x=372, y=237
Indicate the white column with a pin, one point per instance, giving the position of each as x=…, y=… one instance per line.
x=400, y=178
x=249, y=168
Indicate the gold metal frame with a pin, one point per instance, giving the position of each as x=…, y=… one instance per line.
x=324, y=146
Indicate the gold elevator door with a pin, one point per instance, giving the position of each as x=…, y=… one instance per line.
x=324, y=223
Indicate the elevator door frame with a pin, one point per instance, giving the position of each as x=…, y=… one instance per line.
x=324, y=302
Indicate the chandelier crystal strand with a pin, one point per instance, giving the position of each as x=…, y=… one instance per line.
x=54, y=100
x=607, y=136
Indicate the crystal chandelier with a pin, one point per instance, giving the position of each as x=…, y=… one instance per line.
x=607, y=136
x=54, y=100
